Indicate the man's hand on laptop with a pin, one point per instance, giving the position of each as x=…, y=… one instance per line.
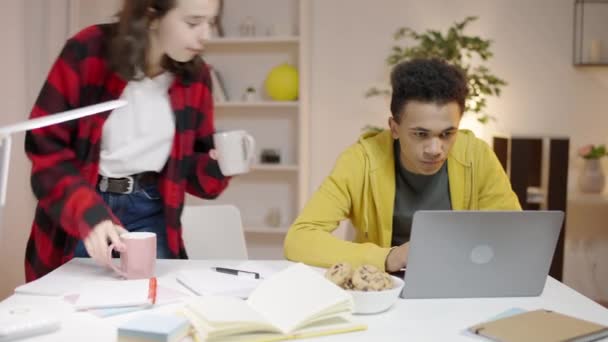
x=397, y=258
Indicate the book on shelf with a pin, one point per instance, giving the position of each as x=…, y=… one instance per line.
x=297, y=302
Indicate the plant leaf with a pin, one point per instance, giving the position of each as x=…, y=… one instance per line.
x=468, y=52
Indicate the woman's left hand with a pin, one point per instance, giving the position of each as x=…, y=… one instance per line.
x=213, y=154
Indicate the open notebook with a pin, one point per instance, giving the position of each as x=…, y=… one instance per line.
x=297, y=302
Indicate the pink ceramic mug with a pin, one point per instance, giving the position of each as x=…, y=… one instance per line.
x=139, y=260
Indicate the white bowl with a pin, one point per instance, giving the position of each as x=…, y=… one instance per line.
x=369, y=302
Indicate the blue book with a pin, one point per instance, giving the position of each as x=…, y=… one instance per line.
x=154, y=328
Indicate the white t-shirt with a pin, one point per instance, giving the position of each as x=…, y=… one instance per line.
x=138, y=137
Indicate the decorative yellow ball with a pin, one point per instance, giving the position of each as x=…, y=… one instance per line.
x=282, y=83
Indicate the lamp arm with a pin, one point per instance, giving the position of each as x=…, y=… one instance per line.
x=48, y=120
x=53, y=119
x=5, y=152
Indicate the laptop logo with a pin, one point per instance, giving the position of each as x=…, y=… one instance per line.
x=482, y=254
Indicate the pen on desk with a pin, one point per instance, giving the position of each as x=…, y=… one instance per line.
x=236, y=272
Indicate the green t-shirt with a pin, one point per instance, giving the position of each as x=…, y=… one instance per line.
x=416, y=192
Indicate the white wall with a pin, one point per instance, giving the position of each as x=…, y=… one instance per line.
x=32, y=32
x=88, y=12
x=533, y=51
x=16, y=216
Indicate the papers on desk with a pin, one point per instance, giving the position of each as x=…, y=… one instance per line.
x=164, y=295
x=117, y=294
x=207, y=282
x=263, y=269
x=48, y=286
x=111, y=297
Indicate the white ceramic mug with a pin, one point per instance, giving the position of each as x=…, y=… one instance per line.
x=235, y=151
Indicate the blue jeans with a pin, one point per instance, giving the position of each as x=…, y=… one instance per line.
x=139, y=211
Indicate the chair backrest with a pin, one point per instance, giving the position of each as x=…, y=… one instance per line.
x=213, y=232
x=523, y=158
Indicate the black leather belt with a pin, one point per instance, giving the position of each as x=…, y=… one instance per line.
x=126, y=185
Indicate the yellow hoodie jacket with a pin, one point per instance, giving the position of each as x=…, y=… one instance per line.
x=361, y=188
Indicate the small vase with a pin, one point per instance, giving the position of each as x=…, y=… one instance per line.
x=592, y=178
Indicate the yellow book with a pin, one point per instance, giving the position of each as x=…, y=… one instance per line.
x=295, y=303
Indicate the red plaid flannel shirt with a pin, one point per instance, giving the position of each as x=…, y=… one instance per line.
x=65, y=157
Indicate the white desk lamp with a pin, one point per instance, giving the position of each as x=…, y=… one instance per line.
x=48, y=120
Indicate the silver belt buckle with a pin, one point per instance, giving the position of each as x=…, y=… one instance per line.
x=103, y=184
x=131, y=183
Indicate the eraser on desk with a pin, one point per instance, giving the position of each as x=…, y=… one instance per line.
x=154, y=327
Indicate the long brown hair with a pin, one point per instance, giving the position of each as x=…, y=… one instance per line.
x=130, y=41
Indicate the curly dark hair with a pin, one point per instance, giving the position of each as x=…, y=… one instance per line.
x=427, y=80
x=130, y=40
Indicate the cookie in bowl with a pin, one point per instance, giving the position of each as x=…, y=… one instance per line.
x=370, y=278
x=373, y=290
x=340, y=274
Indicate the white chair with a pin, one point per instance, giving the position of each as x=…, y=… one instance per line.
x=213, y=232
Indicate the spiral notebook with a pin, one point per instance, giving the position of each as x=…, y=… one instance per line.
x=117, y=293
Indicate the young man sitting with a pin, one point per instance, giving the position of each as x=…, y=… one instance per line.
x=423, y=162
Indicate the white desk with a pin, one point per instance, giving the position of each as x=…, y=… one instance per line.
x=409, y=319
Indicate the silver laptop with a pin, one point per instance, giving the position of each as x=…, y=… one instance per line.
x=459, y=254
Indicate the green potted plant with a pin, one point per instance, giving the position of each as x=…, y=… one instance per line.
x=457, y=48
x=591, y=178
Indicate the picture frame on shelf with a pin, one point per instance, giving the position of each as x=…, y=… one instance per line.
x=270, y=156
x=590, y=33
